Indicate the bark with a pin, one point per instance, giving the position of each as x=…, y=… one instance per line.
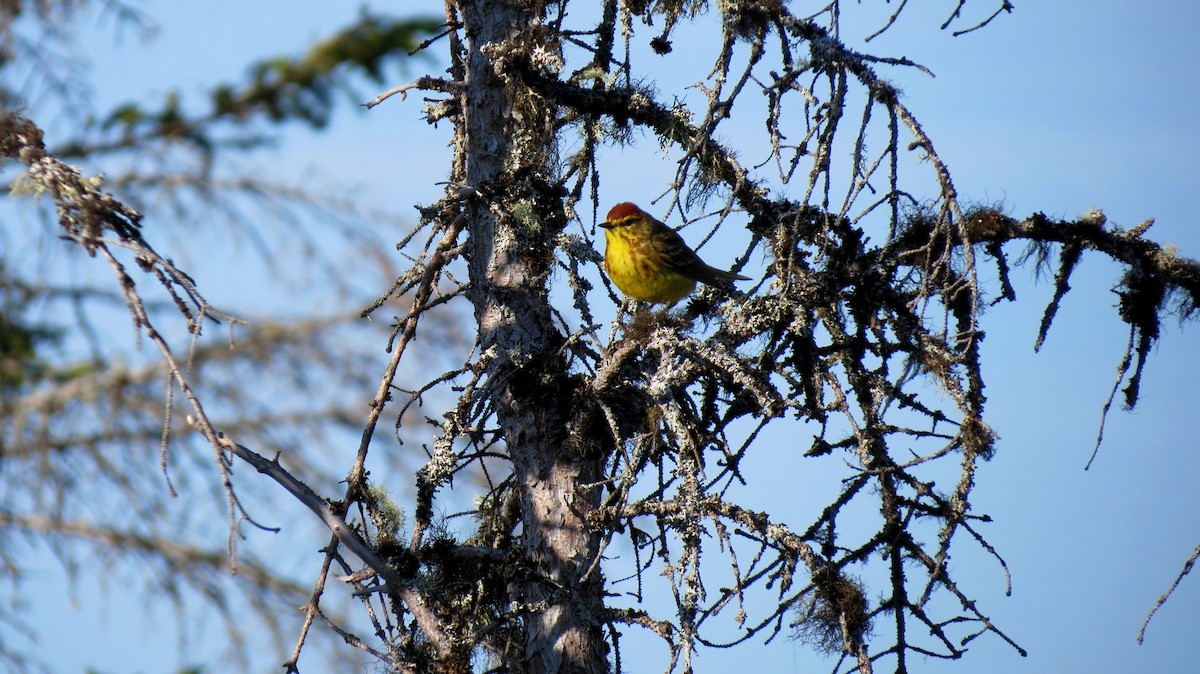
x=506, y=140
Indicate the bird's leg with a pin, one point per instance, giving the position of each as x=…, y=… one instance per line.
x=666, y=310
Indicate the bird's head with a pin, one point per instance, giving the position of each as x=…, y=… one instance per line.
x=626, y=219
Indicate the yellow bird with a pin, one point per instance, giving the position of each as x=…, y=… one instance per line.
x=649, y=261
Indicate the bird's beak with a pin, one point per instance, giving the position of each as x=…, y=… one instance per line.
x=606, y=224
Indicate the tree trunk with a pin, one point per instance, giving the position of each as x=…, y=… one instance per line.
x=506, y=140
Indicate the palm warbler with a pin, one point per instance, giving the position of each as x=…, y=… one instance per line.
x=650, y=262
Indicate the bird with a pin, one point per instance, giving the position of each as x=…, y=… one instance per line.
x=650, y=262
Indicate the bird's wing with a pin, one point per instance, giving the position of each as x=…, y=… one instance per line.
x=678, y=256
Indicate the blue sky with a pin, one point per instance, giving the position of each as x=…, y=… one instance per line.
x=1056, y=107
